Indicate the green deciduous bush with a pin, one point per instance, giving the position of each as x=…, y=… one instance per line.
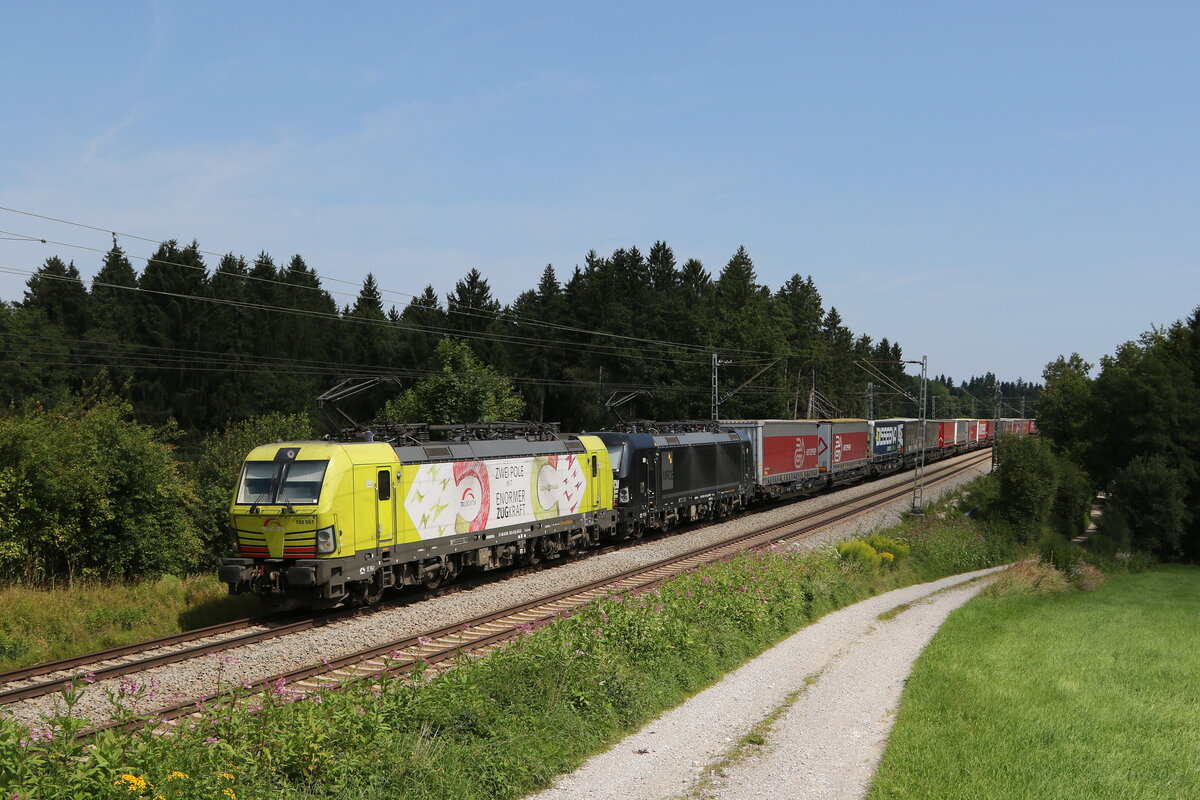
x=1146, y=509
x=1072, y=499
x=886, y=544
x=216, y=469
x=462, y=389
x=856, y=551
x=1027, y=480
x=86, y=492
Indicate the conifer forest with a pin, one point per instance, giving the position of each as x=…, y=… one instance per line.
x=132, y=396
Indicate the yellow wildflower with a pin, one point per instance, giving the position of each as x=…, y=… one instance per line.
x=230, y=793
x=226, y=776
x=176, y=775
x=131, y=782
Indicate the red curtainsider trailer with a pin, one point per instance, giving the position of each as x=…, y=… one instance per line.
x=844, y=451
x=784, y=453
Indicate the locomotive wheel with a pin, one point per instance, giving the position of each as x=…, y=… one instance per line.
x=367, y=593
x=373, y=589
x=447, y=573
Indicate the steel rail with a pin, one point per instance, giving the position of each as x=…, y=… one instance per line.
x=492, y=629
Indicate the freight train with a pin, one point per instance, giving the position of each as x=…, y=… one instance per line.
x=319, y=523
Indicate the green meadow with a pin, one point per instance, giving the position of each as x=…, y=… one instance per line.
x=1064, y=695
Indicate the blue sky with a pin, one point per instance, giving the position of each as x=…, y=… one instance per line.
x=991, y=184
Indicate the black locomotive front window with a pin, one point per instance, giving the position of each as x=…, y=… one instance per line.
x=615, y=453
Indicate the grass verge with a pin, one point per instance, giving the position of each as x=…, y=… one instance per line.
x=1064, y=695
x=45, y=624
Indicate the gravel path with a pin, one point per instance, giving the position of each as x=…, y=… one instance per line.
x=834, y=687
x=259, y=661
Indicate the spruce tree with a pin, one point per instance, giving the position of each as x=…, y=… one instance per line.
x=57, y=291
x=173, y=322
x=114, y=299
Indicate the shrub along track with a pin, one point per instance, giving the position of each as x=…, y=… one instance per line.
x=438, y=648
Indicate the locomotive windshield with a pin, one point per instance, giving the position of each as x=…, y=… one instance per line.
x=615, y=453
x=269, y=482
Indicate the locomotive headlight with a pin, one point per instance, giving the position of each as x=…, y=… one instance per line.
x=326, y=540
x=624, y=494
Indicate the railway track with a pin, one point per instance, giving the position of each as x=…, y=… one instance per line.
x=440, y=646
x=49, y=677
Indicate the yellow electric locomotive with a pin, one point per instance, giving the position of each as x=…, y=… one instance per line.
x=319, y=523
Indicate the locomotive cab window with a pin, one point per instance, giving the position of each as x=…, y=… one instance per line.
x=302, y=482
x=384, y=485
x=615, y=453
x=258, y=480
x=267, y=482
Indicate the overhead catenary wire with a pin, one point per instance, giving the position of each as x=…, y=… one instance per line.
x=470, y=310
x=429, y=329
x=207, y=360
x=358, y=320
x=637, y=348
x=498, y=317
